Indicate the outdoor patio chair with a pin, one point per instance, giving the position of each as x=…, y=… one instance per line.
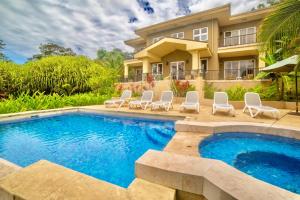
x=221, y=103
x=254, y=106
x=126, y=95
x=165, y=101
x=191, y=101
x=144, y=102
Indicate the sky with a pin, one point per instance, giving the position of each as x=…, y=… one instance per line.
x=89, y=25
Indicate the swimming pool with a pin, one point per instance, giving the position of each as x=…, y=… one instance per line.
x=101, y=146
x=273, y=159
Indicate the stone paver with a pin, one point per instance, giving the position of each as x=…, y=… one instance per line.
x=143, y=190
x=205, y=115
x=46, y=180
x=7, y=168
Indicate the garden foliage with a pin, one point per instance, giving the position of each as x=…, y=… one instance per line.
x=63, y=75
x=180, y=88
x=236, y=93
x=53, y=82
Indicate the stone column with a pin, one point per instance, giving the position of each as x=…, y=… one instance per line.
x=195, y=63
x=146, y=67
x=125, y=72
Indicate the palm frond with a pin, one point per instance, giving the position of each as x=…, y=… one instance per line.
x=283, y=22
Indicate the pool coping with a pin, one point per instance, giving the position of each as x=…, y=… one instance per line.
x=15, y=117
x=211, y=178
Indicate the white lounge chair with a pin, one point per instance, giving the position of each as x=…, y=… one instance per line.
x=145, y=101
x=165, y=101
x=221, y=103
x=191, y=101
x=255, y=107
x=126, y=95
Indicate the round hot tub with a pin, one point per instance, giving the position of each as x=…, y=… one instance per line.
x=273, y=159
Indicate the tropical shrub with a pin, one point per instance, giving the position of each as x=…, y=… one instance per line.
x=63, y=75
x=10, y=78
x=40, y=101
x=209, y=90
x=180, y=88
x=67, y=75
x=236, y=93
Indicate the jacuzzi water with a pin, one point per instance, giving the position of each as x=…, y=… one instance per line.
x=102, y=146
x=273, y=159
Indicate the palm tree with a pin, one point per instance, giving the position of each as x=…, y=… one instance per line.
x=282, y=24
x=281, y=30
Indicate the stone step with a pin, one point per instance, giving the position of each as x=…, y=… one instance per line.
x=140, y=189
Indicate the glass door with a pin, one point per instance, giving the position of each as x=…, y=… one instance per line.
x=177, y=70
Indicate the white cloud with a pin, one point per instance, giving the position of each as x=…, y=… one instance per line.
x=88, y=25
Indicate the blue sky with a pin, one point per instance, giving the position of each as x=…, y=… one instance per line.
x=87, y=25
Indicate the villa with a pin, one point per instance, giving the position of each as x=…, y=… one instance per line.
x=212, y=44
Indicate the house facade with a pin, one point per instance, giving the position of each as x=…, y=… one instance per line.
x=212, y=44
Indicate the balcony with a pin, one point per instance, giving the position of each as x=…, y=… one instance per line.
x=238, y=40
x=231, y=74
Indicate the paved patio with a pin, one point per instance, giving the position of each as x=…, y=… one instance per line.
x=205, y=115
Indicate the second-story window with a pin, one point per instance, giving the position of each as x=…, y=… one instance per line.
x=178, y=35
x=240, y=36
x=156, y=39
x=200, y=34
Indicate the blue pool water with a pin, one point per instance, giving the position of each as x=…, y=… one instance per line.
x=273, y=159
x=101, y=146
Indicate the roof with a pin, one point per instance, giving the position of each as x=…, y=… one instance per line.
x=286, y=65
x=222, y=14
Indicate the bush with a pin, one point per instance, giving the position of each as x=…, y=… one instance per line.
x=209, y=90
x=236, y=93
x=63, y=75
x=180, y=88
x=10, y=78
x=40, y=101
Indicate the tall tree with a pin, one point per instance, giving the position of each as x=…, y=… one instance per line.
x=2, y=55
x=112, y=59
x=52, y=49
x=281, y=28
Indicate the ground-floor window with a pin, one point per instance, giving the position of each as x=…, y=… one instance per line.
x=157, y=70
x=178, y=70
x=138, y=74
x=203, y=65
x=240, y=69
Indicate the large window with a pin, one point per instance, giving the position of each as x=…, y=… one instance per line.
x=240, y=36
x=178, y=35
x=200, y=34
x=238, y=70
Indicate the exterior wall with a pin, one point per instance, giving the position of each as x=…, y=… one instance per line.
x=176, y=56
x=213, y=37
x=225, y=84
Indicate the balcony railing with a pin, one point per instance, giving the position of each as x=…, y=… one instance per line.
x=230, y=74
x=238, y=40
